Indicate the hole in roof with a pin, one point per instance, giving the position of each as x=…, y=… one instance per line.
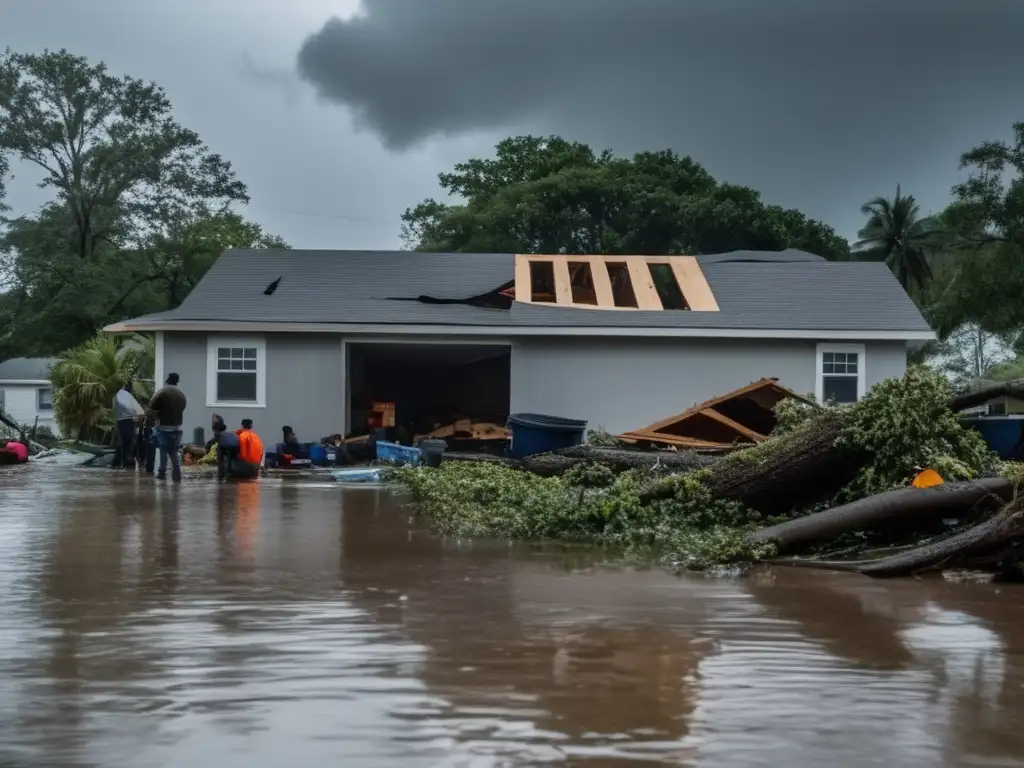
x=500, y=298
x=269, y=290
x=582, y=281
x=667, y=286
x=622, y=286
x=542, y=281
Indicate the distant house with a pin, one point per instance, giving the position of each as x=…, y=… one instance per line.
x=311, y=339
x=25, y=391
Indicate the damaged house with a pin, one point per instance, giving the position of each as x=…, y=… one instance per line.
x=318, y=340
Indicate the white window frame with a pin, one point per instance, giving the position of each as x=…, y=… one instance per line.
x=39, y=400
x=819, y=378
x=213, y=343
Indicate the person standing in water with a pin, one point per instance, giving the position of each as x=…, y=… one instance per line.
x=126, y=412
x=168, y=406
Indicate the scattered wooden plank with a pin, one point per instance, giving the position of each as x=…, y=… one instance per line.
x=756, y=437
x=659, y=425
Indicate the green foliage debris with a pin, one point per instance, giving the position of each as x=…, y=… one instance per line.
x=901, y=426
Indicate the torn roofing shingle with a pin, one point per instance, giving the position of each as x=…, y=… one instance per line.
x=787, y=290
x=26, y=368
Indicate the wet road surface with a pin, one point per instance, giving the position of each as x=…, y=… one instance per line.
x=283, y=623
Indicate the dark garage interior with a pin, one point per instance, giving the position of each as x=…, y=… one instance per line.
x=430, y=385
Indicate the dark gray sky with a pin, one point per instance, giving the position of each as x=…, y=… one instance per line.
x=339, y=116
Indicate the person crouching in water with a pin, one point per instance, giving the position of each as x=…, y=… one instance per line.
x=235, y=451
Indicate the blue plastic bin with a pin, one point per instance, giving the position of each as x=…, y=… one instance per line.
x=1003, y=434
x=534, y=433
x=393, y=453
x=318, y=455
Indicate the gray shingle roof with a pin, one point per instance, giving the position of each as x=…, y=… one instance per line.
x=787, y=290
x=26, y=368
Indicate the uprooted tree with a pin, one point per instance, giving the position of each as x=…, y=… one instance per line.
x=830, y=476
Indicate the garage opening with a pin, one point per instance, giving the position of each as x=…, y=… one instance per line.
x=458, y=392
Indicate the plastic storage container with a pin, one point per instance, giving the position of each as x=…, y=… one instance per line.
x=1003, y=434
x=393, y=453
x=534, y=433
x=318, y=455
x=432, y=450
x=198, y=436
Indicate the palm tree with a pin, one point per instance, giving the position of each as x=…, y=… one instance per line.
x=86, y=378
x=896, y=233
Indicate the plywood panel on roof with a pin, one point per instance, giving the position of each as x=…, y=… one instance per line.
x=602, y=283
x=524, y=280
x=693, y=284
x=563, y=284
x=687, y=271
x=647, y=297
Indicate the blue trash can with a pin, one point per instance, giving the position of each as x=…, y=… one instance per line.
x=1003, y=434
x=534, y=433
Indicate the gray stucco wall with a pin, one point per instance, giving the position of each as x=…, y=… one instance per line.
x=626, y=384
x=617, y=384
x=304, y=385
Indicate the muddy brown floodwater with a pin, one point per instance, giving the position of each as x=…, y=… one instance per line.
x=282, y=623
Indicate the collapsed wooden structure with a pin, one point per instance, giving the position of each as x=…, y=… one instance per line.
x=742, y=417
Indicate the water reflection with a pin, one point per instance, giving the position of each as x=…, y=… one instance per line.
x=265, y=623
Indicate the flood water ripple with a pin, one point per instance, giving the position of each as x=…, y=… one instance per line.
x=282, y=623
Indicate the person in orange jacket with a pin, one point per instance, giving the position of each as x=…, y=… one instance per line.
x=250, y=447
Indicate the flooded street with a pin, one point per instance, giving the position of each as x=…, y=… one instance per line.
x=286, y=623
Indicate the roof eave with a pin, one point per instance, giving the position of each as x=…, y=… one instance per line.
x=228, y=326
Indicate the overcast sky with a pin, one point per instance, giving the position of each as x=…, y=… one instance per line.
x=339, y=115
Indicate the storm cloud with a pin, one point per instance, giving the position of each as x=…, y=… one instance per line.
x=818, y=104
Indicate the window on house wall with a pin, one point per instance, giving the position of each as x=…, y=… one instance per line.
x=840, y=373
x=3, y=400
x=236, y=372
x=44, y=399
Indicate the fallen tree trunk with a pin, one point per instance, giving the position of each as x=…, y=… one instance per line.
x=787, y=472
x=953, y=551
x=965, y=400
x=558, y=462
x=947, y=500
x=999, y=529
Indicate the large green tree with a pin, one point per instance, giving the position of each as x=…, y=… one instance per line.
x=896, y=233
x=109, y=147
x=985, y=283
x=140, y=208
x=549, y=195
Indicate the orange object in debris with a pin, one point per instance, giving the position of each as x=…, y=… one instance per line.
x=927, y=478
x=250, y=447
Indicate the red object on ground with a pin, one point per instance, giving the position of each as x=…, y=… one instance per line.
x=19, y=450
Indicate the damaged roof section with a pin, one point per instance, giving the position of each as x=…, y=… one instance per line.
x=648, y=283
x=753, y=291
x=745, y=415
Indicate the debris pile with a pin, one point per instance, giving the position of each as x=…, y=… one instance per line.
x=829, y=487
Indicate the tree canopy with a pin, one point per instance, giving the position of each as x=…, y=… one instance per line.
x=897, y=234
x=986, y=226
x=140, y=206
x=550, y=195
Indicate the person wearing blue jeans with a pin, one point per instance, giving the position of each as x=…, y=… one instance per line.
x=168, y=407
x=168, y=440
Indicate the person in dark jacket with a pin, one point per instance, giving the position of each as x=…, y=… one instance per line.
x=168, y=407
